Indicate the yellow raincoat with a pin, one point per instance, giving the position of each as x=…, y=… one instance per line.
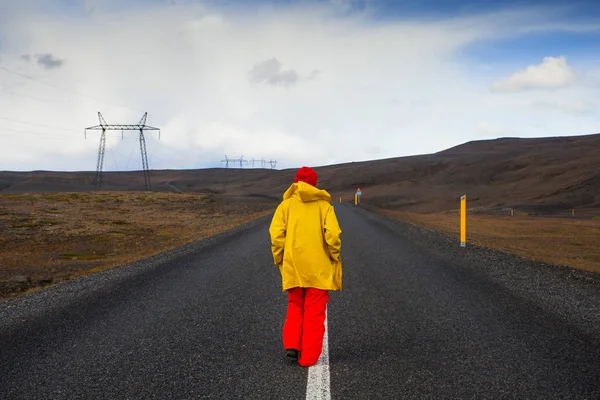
x=305, y=239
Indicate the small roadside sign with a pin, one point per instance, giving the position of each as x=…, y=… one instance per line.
x=357, y=196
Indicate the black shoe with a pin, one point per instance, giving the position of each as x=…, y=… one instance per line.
x=291, y=353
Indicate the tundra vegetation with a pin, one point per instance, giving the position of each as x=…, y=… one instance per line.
x=46, y=238
x=566, y=241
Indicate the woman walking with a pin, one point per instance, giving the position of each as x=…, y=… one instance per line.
x=306, y=246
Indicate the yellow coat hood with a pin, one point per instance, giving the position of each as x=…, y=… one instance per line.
x=305, y=193
x=305, y=239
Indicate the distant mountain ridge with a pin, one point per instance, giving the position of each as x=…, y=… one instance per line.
x=550, y=174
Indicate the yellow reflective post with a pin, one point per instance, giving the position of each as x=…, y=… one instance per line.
x=355, y=199
x=463, y=221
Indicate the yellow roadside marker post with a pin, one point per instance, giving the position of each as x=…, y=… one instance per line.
x=463, y=221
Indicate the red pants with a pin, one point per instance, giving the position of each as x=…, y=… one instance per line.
x=304, y=325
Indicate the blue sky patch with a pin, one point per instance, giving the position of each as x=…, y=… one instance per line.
x=533, y=47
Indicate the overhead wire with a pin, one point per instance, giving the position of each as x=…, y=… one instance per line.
x=40, y=134
x=114, y=159
x=34, y=124
x=53, y=102
x=30, y=136
x=64, y=89
x=130, y=154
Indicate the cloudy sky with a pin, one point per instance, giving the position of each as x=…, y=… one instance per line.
x=309, y=82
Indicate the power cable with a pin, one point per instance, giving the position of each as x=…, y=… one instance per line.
x=112, y=154
x=130, y=154
x=37, y=134
x=42, y=125
x=53, y=102
x=65, y=90
x=30, y=137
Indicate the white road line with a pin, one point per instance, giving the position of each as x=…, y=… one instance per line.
x=317, y=387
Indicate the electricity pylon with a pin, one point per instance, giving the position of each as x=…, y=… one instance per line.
x=141, y=127
x=226, y=161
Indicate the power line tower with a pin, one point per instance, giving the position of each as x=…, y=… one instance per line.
x=263, y=162
x=226, y=161
x=273, y=163
x=241, y=160
x=141, y=127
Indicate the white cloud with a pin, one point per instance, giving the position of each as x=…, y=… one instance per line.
x=580, y=27
x=574, y=107
x=356, y=89
x=552, y=73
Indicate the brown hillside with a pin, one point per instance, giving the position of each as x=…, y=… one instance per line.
x=538, y=175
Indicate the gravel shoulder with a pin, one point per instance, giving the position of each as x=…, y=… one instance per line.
x=422, y=318
x=63, y=295
x=569, y=293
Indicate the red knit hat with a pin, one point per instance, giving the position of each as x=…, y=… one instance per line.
x=308, y=175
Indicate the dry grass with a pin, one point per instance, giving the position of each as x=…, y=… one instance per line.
x=563, y=241
x=49, y=237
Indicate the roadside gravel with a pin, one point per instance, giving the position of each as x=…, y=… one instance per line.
x=36, y=305
x=571, y=294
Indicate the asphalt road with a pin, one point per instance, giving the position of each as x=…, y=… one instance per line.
x=418, y=318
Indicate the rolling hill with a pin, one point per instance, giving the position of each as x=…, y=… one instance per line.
x=535, y=175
